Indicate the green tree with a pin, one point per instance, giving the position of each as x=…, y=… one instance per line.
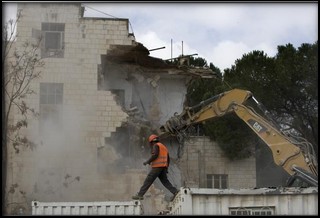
x=252, y=72
x=255, y=72
x=286, y=84
x=297, y=87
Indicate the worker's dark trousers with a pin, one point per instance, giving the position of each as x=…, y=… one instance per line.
x=158, y=172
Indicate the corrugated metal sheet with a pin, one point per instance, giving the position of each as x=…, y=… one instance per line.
x=263, y=201
x=87, y=208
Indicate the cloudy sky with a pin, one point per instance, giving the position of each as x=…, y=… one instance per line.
x=218, y=32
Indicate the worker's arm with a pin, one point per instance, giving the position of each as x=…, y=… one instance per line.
x=155, y=153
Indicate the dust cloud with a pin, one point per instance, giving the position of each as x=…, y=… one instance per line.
x=61, y=158
x=73, y=161
x=70, y=160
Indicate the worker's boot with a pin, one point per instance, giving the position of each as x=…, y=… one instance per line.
x=137, y=197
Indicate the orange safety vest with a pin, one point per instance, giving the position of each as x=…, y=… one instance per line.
x=162, y=159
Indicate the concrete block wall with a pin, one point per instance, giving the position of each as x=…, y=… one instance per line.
x=202, y=156
x=64, y=165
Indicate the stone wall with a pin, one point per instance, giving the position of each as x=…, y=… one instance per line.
x=202, y=157
x=64, y=167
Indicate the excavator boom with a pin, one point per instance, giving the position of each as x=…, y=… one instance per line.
x=287, y=151
x=213, y=107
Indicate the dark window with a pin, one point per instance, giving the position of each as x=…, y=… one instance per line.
x=53, y=40
x=219, y=181
x=51, y=93
x=51, y=100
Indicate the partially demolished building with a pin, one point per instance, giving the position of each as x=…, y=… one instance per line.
x=99, y=96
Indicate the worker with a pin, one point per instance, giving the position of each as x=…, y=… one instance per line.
x=159, y=162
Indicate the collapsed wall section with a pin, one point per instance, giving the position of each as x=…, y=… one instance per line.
x=75, y=117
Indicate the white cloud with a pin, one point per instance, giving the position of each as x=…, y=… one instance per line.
x=226, y=52
x=9, y=11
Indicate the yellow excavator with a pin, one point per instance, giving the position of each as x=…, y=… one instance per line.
x=294, y=154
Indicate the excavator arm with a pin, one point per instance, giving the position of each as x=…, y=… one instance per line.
x=292, y=154
x=216, y=106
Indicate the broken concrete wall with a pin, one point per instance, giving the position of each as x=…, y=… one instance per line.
x=157, y=96
x=150, y=99
x=64, y=165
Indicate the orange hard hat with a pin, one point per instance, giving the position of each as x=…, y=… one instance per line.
x=152, y=137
